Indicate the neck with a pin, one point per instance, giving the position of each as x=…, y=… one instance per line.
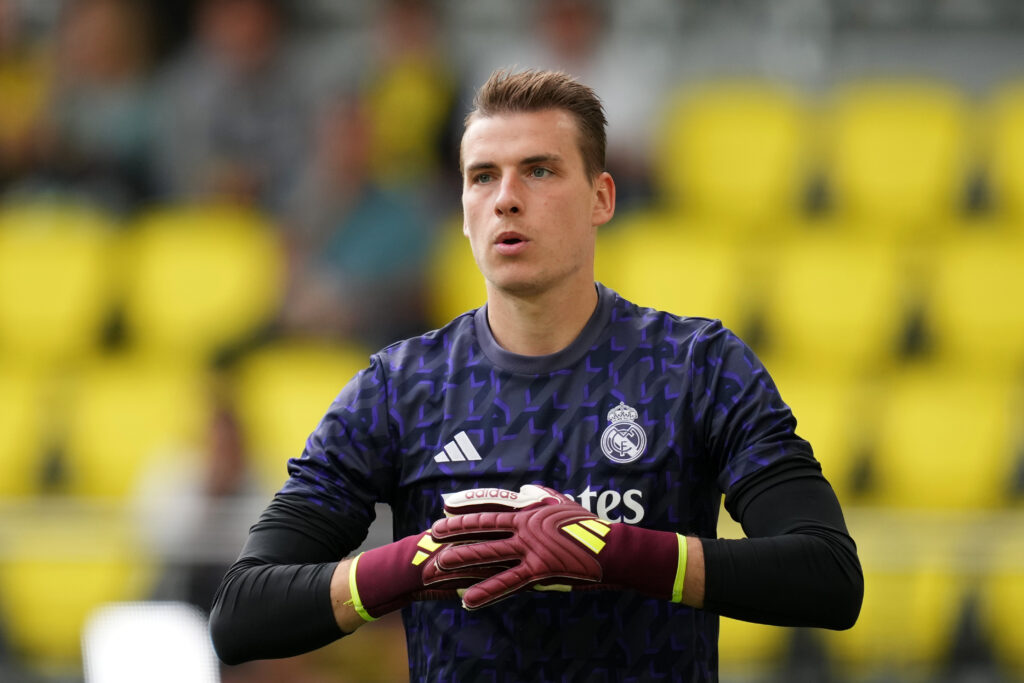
x=542, y=324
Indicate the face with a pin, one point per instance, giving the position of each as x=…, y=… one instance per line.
x=531, y=213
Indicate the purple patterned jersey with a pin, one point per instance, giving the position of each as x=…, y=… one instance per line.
x=647, y=418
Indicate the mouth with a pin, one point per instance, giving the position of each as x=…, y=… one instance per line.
x=510, y=238
x=510, y=243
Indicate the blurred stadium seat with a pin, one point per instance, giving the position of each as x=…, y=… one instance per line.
x=735, y=154
x=833, y=413
x=1002, y=594
x=23, y=431
x=199, y=279
x=283, y=391
x=456, y=283
x=906, y=623
x=661, y=260
x=836, y=303
x=745, y=647
x=1003, y=133
x=56, y=280
x=945, y=440
x=897, y=155
x=973, y=306
x=124, y=414
x=57, y=566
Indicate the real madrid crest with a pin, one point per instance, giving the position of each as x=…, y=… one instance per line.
x=623, y=439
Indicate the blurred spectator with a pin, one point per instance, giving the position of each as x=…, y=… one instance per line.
x=576, y=36
x=94, y=136
x=25, y=73
x=232, y=118
x=189, y=503
x=358, y=248
x=409, y=91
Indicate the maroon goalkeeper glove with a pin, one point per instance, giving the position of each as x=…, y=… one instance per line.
x=392, y=576
x=539, y=538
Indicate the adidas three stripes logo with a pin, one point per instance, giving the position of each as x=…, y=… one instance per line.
x=458, y=450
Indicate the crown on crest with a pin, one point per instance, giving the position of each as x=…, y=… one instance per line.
x=622, y=413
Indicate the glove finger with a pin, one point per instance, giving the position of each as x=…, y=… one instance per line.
x=462, y=577
x=496, y=588
x=473, y=526
x=453, y=557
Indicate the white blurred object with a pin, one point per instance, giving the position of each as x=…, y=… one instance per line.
x=148, y=641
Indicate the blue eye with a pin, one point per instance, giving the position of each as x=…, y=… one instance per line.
x=540, y=172
x=482, y=178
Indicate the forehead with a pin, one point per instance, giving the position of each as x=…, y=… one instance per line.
x=514, y=136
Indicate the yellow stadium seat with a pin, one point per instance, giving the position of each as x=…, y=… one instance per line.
x=23, y=431
x=662, y=261
x=735, y=153
x=457, y=285
x=1003, y=133
x=897, y=154
x=973, y=303
x=747, y=647
x=56, y=287
x=200, y=278
x=833, y=414
x=913, y=596
x=836, y=303
x=124, y=415
x=283, y=391
x=59, y=565
x=1002, y=599
x=945, y=440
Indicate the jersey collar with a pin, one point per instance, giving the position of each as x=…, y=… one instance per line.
x=560, y=360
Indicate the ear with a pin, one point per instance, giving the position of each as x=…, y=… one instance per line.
x=604, y=199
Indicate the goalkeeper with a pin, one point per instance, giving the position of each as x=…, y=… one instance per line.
x=633, y=422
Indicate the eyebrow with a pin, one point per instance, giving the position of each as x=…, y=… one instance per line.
x=527, y=161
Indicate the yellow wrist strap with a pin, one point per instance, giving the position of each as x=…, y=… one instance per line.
x=356, y=603
x=677, y=585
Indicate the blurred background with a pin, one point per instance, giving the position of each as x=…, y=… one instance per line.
x=212, y=211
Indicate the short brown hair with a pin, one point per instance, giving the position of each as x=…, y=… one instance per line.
x=508, y=92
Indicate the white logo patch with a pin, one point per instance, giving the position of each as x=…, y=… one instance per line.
x=459, y=450
x=623, y=439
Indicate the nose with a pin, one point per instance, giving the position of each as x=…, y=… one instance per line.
x=508, y=202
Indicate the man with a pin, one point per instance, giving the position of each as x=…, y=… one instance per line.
x=642, y=417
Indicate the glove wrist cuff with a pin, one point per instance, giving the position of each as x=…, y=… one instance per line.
x=385, y=579
x=649, y=561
